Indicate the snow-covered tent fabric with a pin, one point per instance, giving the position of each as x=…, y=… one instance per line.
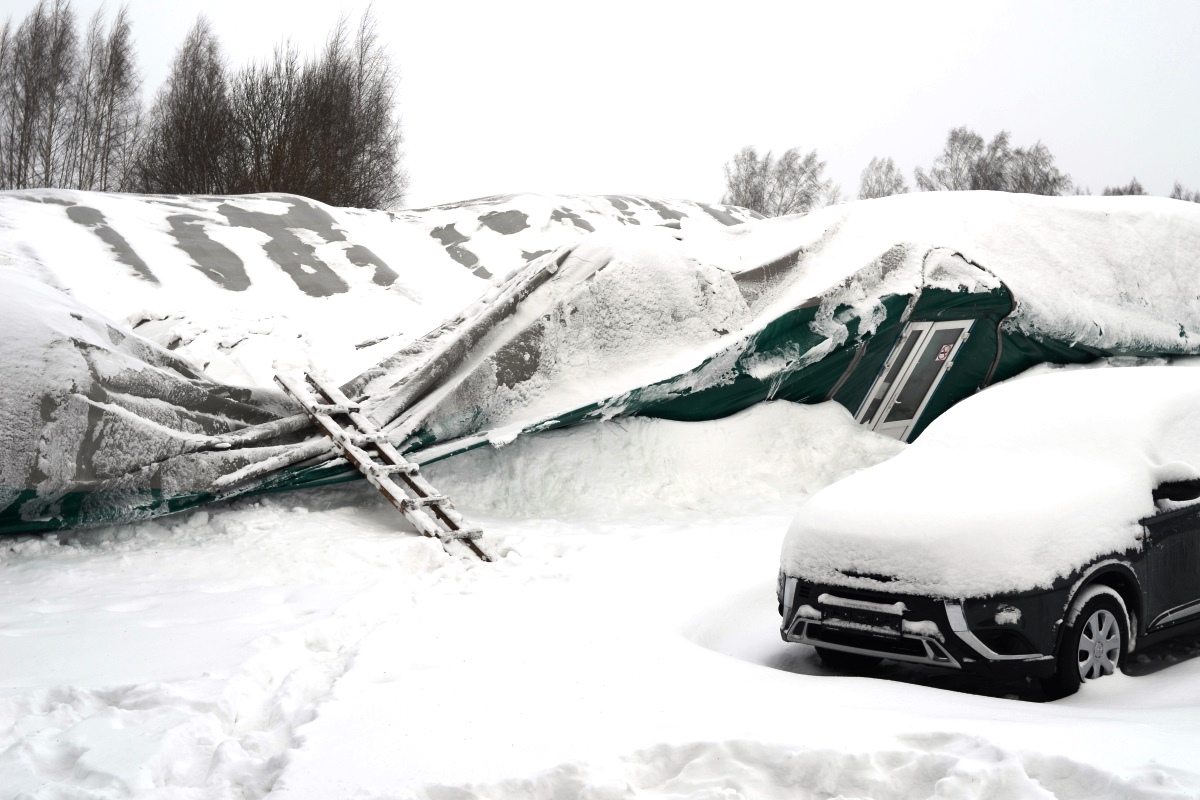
x=139, y=334
x=691, y=320
x=99, y=425
x=802, y=308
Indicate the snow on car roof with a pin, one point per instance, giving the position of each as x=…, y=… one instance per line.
x=1011, y=489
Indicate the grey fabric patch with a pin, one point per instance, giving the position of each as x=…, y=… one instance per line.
x=506, y=222
x=92, y=218
x=664, y=212
x=451, y=239
x=565, y=215
x=361, y=256
x=299, y=260
x=214, y=260
x=720, y=215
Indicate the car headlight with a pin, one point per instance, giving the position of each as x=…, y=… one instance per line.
x=788, y=600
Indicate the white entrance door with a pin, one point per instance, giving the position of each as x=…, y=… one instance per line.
x=912, y=372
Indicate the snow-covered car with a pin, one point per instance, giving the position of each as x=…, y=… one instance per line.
x=1046, y=527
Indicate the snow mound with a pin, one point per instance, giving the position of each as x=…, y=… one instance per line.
x=1115, y=273
x=776, y=452
x=934, y=765
x=1011, y=489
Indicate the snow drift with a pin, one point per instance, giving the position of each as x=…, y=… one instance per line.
x=783, y=453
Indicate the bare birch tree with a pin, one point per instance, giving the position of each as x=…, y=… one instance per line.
x=326, y=129
x=1179, y=192
x=7, y=106
x=1032, y=171
x=967, y=163
x=1134, y=187
x=191, y=144
x=790, y=184
x=36, y=97
x=881, y=178
x=951, y=170
x=269, y=110
x=107, y=106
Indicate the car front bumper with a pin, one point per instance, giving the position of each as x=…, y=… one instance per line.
x=910, y=629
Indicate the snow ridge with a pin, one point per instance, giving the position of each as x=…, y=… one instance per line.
x=933, y=765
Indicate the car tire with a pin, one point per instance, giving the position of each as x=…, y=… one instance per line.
x=1092, y=646
x=841, y=661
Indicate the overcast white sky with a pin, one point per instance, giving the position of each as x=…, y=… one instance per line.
x=653, y=97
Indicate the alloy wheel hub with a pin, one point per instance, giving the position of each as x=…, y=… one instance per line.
x=1099, y=645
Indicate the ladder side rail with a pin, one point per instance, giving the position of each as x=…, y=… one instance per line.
x=361, y=459
x=449, y=516
x=456, y=536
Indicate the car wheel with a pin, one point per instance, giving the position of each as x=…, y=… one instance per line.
x=1092, y=646
x=842, y=661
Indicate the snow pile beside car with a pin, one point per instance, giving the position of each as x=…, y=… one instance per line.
x=1005, y=491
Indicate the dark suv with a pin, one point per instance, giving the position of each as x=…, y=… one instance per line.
x=995, y=584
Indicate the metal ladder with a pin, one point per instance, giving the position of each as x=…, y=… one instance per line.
x=398, y=479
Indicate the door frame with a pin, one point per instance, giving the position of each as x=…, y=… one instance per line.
x=925, y=330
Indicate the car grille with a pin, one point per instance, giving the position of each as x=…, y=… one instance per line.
x=897, y=646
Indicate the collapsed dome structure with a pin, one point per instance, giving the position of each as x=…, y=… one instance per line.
x=572, y=309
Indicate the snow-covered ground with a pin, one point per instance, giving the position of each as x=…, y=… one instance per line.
x=304, y=646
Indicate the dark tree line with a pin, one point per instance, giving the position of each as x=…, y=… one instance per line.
x=1180, y=193
x=1132, y=188
x=71, y=114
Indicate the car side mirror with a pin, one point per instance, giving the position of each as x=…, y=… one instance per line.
x=1178, y=491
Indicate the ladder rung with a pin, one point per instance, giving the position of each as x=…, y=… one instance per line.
x=420, y=502
x=352, y=438
x=360, y=439
x=326, y=408
x=392, y=469
x=461, y=533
